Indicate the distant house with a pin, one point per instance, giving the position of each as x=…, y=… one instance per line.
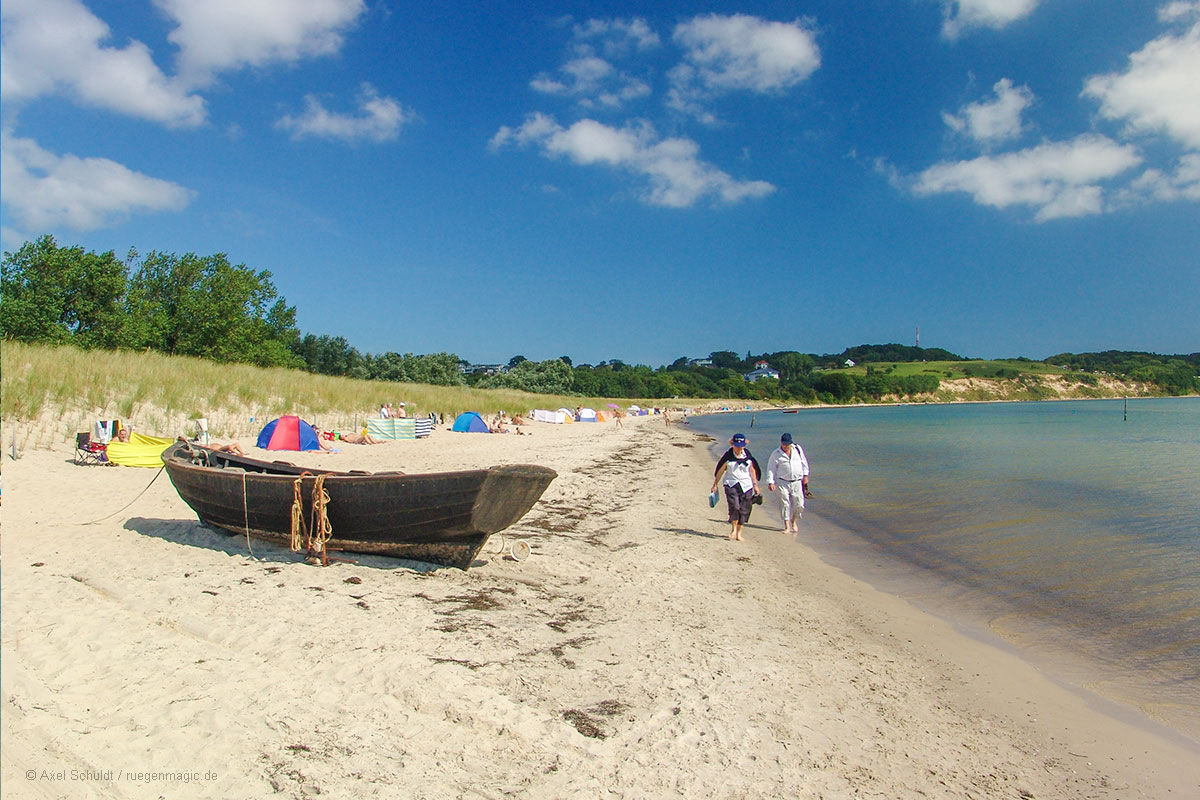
x=761, y=364
x=762, y=372
x=486, y=369
x=849, y=362
x=700, y=362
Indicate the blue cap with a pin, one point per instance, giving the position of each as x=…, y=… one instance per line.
x=785, y=439
x=739, y=440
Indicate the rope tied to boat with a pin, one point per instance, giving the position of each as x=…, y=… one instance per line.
x=246, y=516
x=316, y=533
x=321, y=530
x=299, y=529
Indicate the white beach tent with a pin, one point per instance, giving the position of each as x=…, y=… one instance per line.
x=587, y=415
x=542, y=415
x=568, y=414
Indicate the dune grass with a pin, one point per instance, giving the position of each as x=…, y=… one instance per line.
x=55, y=391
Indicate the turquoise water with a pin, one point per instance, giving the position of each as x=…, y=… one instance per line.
x=1072, y=529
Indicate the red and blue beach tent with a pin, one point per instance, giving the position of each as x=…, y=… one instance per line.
x=288, y=433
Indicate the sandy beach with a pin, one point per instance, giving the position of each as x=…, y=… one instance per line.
x=636, y=653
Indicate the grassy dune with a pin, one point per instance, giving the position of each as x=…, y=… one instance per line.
x=49, y=393
x=954, y=370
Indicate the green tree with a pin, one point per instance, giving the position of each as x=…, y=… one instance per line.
x=791, y=365
x=330, y=355
x=838, y=385
x=207, y=307
x=62, y=294
x=726, y=359
x=553, y=376
x=440, y=369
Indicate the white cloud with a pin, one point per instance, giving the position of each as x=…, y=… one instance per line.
x=1154, y=184
x=1058, y=179
x=1160, y=91
x=964, y=15
x=593, y=81
x=47, y=191
x=11, y=238
x=995, y=121
x=738, y=53
x=215, y=35
x=618, y=36
x=748, y=53
x=1178, y=10
x=58, y=45
x=379, y=119
x=677, y=177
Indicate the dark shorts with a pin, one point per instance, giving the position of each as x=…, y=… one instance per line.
x=739, y=503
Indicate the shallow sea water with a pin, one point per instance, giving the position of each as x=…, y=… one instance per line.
x=1070, y=529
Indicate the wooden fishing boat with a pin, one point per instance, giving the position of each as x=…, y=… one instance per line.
x=440, y=517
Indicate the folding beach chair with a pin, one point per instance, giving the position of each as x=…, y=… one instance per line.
x=89, y=452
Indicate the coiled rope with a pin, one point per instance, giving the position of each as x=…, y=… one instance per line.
x=298, y=526
x=322, y=530
x=313, y=536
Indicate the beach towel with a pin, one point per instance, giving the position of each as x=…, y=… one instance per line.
x=139, y=451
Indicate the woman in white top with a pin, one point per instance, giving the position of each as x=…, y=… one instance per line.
x=738, y=471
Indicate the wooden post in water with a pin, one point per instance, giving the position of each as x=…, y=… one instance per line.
x=1125, y=414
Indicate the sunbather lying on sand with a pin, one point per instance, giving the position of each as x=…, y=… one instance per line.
x=232, y=447
x=358, y=438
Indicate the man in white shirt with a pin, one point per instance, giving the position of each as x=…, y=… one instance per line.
x=788, y=467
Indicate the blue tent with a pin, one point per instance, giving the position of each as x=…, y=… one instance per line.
x=470, y=422
x=288, y=433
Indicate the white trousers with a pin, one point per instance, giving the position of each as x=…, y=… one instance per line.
x=791, y=499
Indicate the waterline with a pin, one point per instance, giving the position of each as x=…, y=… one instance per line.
x=1069, y=531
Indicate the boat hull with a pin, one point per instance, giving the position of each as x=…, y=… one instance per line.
x=442, y=518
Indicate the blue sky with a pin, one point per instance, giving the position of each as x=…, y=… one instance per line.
x=1016, y=177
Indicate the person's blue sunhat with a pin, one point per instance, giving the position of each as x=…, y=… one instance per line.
x=785, y=439
x=739, y=440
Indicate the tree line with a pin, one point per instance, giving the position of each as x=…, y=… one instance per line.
x=1176, y=374
x=205, y=306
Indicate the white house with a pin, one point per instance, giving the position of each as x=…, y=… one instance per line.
x=849, y=362
x=764, y=372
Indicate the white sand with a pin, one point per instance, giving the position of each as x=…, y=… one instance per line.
x=636, y=653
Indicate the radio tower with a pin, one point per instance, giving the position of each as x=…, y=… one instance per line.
x=918, y=337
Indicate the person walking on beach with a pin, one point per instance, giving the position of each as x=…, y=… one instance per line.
x=788, y=467
x=738, y=471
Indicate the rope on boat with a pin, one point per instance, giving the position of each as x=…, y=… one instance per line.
x=314, y=536
x=321, y=530
x=246, y=515
x=298, y=526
